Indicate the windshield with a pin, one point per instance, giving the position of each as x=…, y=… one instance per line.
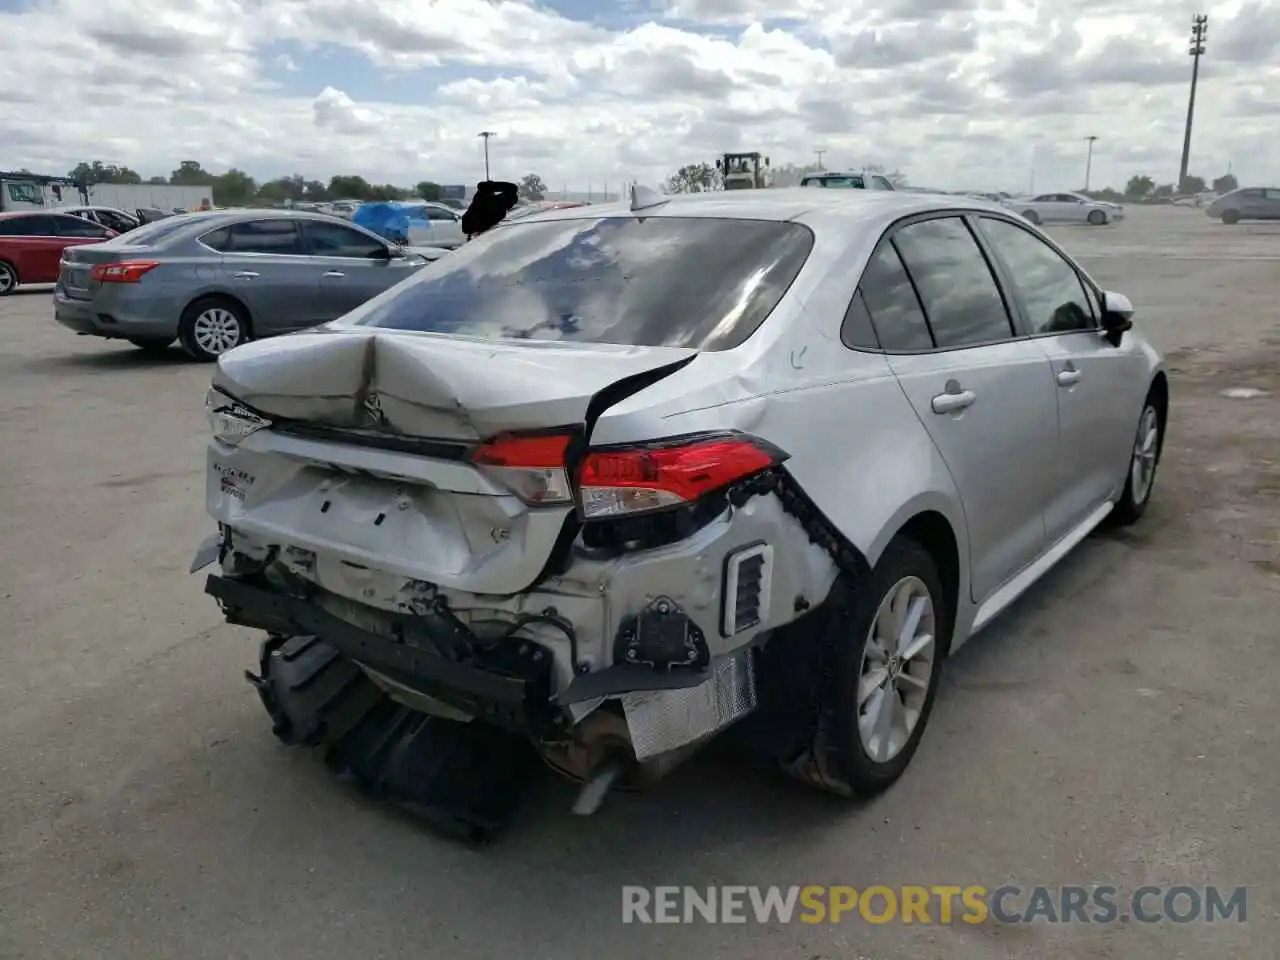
x=657, y=281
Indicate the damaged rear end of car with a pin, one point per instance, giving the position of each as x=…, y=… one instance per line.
x=455, y=580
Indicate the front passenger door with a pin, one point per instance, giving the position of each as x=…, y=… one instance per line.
x=986, y=399
x=1096, y=384
x=355, y=266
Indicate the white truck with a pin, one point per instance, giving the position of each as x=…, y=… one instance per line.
x=26, y=191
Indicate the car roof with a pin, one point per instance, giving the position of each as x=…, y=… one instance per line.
x=850, y=208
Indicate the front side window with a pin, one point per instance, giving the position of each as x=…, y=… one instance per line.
x=1051, y=291
x=78, y=227
x=891, y=301
x=335, y=240
x=644, y=281
x=25, y=193
x=960, y=295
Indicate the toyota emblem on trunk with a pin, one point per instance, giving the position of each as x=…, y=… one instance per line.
x=373, y=410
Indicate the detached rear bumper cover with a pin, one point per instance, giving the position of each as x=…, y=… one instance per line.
x=508, y=701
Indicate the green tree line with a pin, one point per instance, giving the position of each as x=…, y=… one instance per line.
x=236, y=188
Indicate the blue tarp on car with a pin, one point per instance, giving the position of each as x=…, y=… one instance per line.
x=390, y=219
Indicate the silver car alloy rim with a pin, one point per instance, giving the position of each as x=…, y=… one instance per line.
x=897, y=665
x=6, y=278
x=216, y=330
x=1143, y=469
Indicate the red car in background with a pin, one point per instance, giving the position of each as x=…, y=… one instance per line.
x=31, y=245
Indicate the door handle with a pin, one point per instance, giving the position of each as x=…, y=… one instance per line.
x=951, y=402
x=244, y=275
x=1068, y=378
x=334, y=273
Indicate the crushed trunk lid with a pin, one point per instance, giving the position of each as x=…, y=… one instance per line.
x=430, y=385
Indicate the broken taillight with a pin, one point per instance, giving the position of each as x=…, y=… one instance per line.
x=128, y=271
x=530, y=465
x=624, y=481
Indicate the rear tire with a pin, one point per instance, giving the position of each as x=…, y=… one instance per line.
x=8, y=279
x=1231, y=216
x=1031, y=217
x=845, y=756
x=157, y=347
x=211, y=326
x=1097, y=218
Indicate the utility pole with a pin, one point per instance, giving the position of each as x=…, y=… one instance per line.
x=819, y=153
x=1199, y=29
x=1088, y=163
x=486, y=134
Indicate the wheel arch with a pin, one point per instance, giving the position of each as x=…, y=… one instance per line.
x=936, y=533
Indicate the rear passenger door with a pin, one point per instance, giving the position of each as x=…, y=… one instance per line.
x=985, y=398
x=265, y=264
x=1095, y=383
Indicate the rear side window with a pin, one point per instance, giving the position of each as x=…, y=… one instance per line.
x=891, y=301
x=261, y=236
x=957, y=289
x=39, y=225
x=644, y=281
x=1050, y=288
x=152, y=233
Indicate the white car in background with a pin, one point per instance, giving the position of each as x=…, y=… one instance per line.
x=434, y=225
x=1066, y=208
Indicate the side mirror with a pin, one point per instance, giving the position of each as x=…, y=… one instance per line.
x=1117, y=315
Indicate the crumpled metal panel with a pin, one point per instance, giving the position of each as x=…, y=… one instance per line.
x=665, y=720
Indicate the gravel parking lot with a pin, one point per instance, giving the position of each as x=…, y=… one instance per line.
x=1118, y=726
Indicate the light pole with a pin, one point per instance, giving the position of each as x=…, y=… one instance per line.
x=820, y=153
x=486, y=134
x=1199, y=29
x=1088, y=163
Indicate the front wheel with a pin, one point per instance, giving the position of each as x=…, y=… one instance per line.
x=209, y=328
x=886, y=640
x=1231, y=216
x=1142, y=468
x=1031, y=216
x=1097, y=218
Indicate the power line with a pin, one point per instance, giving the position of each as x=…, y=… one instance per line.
x=1199, y=30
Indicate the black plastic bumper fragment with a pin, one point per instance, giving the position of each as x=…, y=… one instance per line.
x=516, y=702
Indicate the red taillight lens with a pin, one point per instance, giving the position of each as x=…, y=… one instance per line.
x=130, y=271
x=531, y=465
x=622, y=482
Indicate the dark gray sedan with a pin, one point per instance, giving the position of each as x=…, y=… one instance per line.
x=214, y=280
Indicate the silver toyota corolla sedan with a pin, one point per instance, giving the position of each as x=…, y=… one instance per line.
x=615, y=478
x=215, y=280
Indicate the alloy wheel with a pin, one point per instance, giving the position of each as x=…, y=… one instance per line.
x=8, y=279
x=898, y=661
x=216, y=330
x=1142, y=469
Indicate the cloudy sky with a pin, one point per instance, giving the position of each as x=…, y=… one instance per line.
x=973, y=94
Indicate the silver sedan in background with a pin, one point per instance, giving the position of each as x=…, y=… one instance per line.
x=214, y=280
x=1066, y=208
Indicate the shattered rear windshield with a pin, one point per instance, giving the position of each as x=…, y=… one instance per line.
x=658, y=281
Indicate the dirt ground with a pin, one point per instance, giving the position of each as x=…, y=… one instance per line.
x=1117, y=726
